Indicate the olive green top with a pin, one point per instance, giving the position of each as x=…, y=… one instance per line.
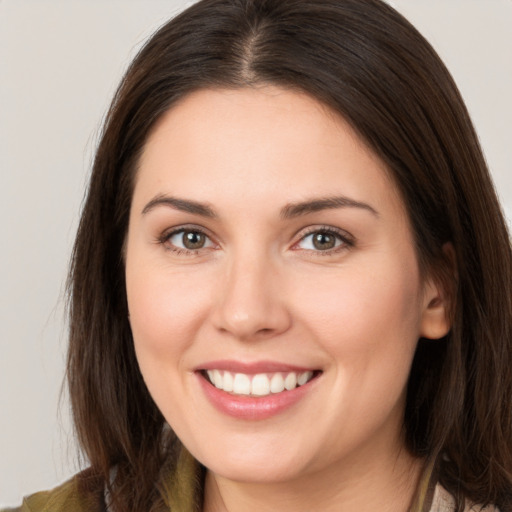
x=182, y=494
x=66, y=497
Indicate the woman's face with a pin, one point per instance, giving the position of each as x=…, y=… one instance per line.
x=267, y=245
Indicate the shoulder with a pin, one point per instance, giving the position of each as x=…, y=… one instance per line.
x=79, y=494
x=443, y=502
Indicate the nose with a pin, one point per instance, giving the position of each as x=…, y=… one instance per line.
x=251, y=304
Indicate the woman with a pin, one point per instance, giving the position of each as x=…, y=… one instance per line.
x=290, y=283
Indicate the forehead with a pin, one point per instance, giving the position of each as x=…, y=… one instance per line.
x=265, y=111
x=263, y=144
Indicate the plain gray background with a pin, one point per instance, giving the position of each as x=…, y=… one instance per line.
x=60, y=62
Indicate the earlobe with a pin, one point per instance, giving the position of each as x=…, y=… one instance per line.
x=438, y=298
x=435, y=321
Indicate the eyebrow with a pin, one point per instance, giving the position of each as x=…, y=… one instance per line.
x=289, y=211
x=293, y=210
x=184, y=205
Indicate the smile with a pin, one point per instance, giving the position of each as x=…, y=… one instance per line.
x=257, y=390
x=258, y=385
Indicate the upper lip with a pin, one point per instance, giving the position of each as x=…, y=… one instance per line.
x=253, y=367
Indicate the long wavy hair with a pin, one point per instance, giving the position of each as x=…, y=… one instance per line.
x=366, y=62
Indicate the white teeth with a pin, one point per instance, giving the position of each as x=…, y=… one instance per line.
x=291, y=381
x=304, y=377
x=217, y=379
x=261, y=384
x=241, y=384
x=228, y=381
x=277, y=383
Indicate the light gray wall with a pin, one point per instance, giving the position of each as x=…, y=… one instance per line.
x=59, y=64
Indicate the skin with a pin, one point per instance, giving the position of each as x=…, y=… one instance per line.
x=260, y=290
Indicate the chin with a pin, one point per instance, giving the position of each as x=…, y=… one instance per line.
x=256, y=463
x=255, y=472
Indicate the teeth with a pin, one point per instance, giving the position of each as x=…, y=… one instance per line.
x=261, y=384
x=277, y=383
x=304, y=377
x=217, y=379
x=291, y=381
x=228, y=382
x=241, y=384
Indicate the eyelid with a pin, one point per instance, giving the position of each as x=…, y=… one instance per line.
x=346, y=238
x=168, y=233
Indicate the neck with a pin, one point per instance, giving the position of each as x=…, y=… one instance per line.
x=387, y=485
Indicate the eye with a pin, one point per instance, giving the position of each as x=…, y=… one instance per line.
x=188, y=240
x=325, y=240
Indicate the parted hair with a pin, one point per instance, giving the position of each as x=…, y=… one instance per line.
x=364, y=61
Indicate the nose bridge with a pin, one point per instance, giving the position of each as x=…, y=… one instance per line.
x=251, y=305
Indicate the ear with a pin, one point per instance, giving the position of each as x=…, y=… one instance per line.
x=438, y=298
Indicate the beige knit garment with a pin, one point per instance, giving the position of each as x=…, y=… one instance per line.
x=444, y=502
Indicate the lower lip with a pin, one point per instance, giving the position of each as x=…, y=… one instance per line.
x=250, y=407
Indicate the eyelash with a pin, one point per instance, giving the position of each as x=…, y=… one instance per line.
x=347, y=241
x=167, y=235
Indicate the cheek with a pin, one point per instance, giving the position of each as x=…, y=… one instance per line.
x=368, y=324
x=166, y=309
x=363, y=315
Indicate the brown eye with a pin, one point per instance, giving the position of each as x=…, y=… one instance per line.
x=189, y=240
x=323, y=241
x=193, y=240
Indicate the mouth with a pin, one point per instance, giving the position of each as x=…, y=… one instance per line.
x=259, y=384
x=255, y=391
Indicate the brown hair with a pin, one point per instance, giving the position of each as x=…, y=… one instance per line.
x=366, y=62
